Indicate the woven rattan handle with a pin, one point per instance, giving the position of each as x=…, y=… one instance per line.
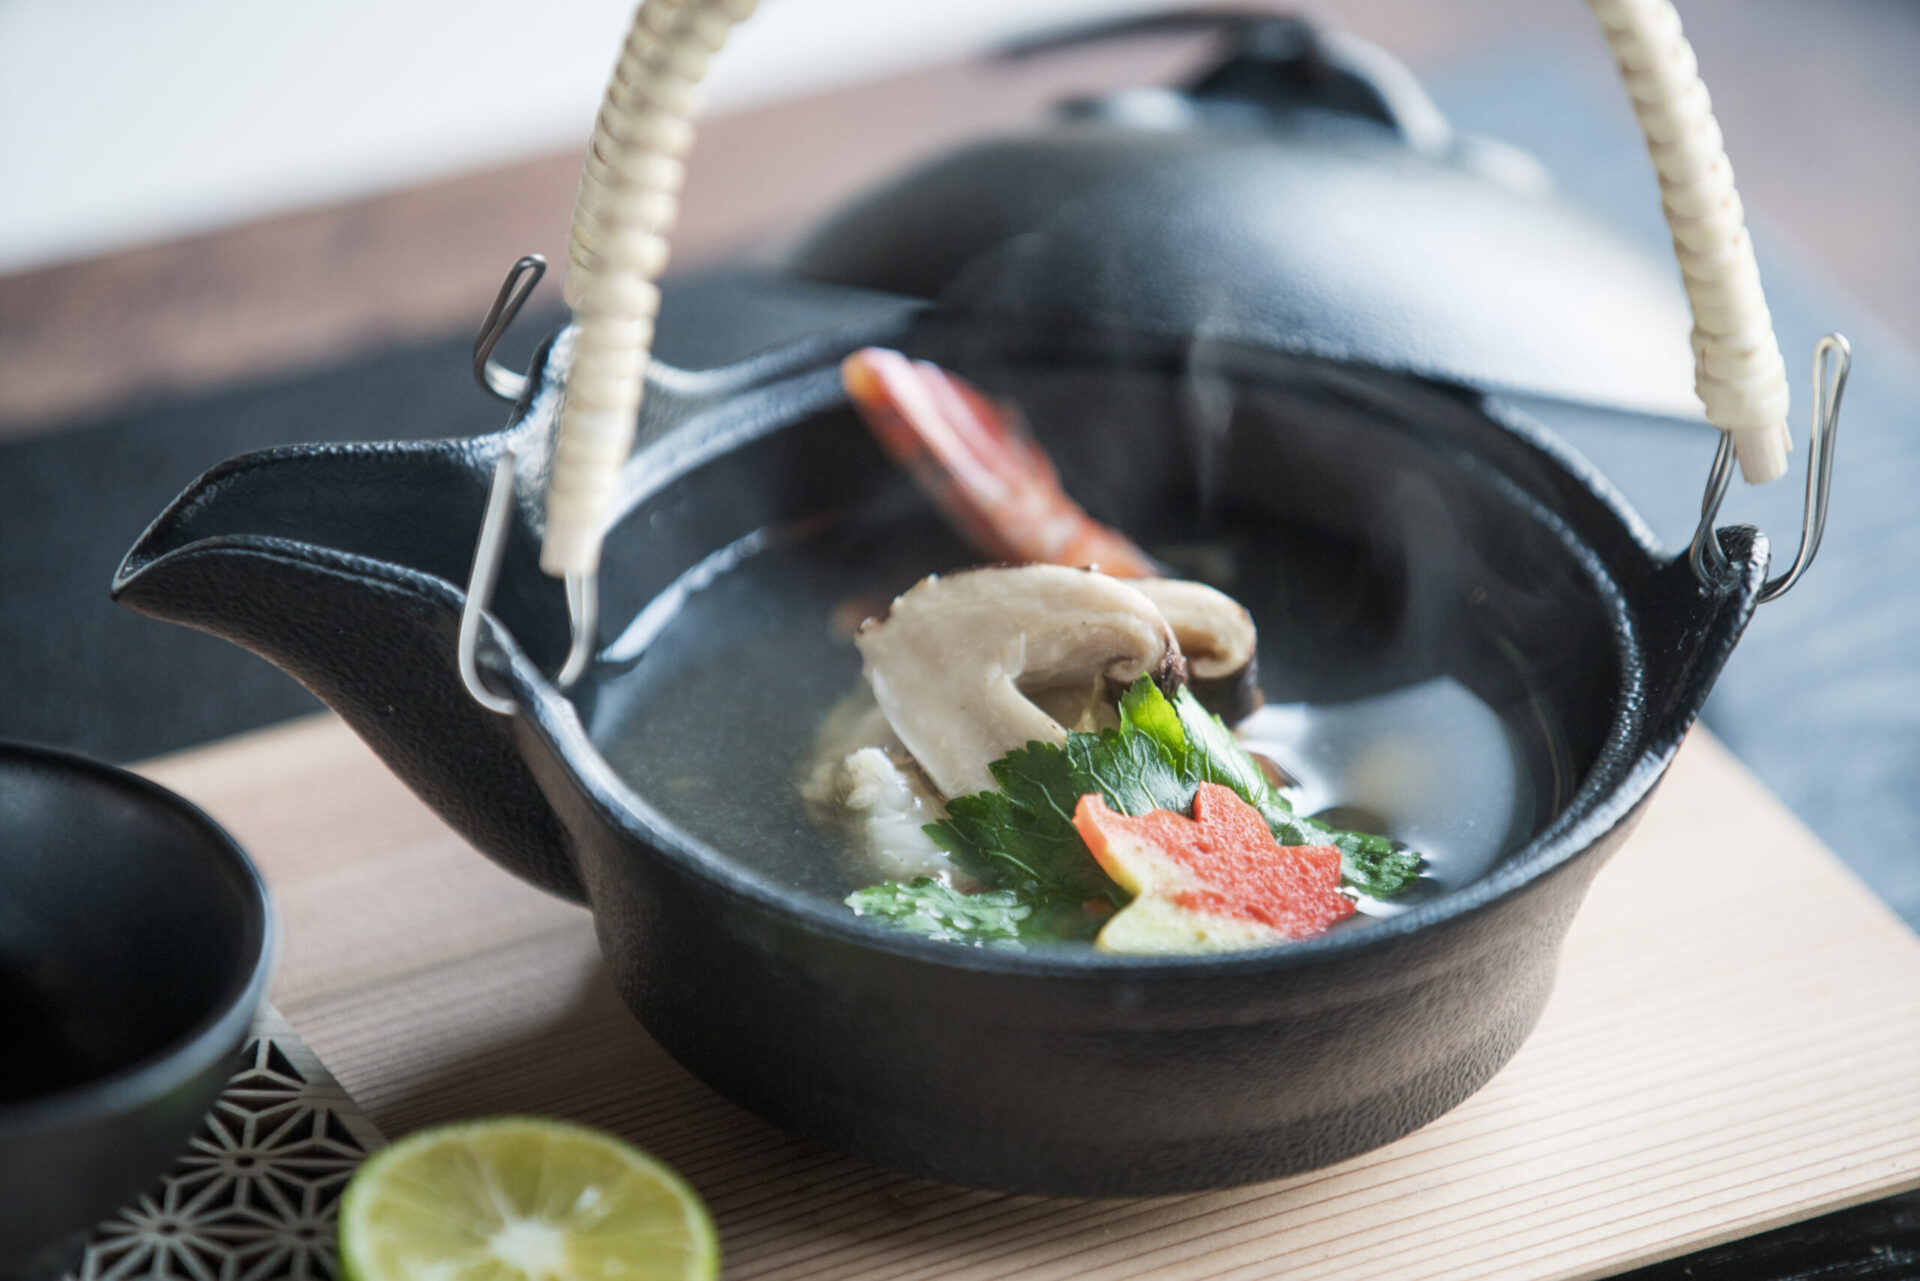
x=1738, y=371
x=629, y=195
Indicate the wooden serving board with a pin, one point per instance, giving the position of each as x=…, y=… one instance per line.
x=1734, y=1044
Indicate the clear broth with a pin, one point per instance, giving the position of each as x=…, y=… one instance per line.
x=710, y=704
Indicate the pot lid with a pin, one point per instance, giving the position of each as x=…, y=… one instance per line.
x=1304, y=194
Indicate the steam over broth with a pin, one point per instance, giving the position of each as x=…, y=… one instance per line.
x=714, y=721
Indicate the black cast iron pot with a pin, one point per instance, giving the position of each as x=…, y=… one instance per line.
x=1250, y=315
x=1400, y=530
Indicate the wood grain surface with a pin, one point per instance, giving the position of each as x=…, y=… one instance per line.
x=1731, y=1046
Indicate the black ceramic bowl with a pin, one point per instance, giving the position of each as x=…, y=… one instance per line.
x=1407, y=530
x=134, y=946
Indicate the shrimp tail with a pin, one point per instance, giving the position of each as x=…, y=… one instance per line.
x=979, y=464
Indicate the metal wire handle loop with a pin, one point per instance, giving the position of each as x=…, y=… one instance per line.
x=583, y=603
x=490, y=549
x=519, y=285
x=583, y=611
x=487, y=554
x=1708, y=558
x=1832, y=362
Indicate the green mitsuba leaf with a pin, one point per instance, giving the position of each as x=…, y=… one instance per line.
x=1132, y=771
x=1378, y=873
x=1022, y=837
x=1376, y=866
x=1214, y=755
x=925, y=906
x=1145, y=710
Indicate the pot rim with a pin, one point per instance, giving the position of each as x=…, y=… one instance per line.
x=1614, y=785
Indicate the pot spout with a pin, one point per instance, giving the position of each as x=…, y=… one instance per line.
x=345, y=567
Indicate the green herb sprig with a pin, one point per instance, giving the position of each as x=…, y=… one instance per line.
x=1021, y=841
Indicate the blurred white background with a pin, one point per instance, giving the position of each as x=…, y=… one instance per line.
x=127, y=121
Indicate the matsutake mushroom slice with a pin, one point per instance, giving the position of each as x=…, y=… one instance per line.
x=1217, y=636
x=953, y=659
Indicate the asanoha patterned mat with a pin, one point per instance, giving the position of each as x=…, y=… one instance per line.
x=254, y=1197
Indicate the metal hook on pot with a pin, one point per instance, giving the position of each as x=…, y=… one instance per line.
x=1832, y=361
x=583, y=590
x=519, y=285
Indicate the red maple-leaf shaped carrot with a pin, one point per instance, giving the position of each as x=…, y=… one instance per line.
x=1217, y=881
